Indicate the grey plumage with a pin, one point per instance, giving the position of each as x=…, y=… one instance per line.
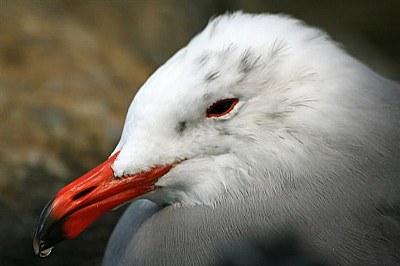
x=343, y=229
x=335, y=183
x=260, y=126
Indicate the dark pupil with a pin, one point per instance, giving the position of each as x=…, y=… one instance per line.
x=220, y=108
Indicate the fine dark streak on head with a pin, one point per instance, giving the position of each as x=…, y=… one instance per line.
x=278, y=115
x=181, y=126
x=319, y=35
x=227, y=52
x=212, y=76
x=278, y=47
x=292, y=133
x=206, y=97
x=248, y=61
x=203, y=59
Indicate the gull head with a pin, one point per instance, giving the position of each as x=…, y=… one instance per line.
x=229, y=111
x=252, y=102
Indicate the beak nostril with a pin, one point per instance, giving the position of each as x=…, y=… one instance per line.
x=83, y=193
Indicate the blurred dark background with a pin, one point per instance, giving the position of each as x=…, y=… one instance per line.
x=69, y=70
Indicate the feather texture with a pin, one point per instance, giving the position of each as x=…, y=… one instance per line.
x=312, y=145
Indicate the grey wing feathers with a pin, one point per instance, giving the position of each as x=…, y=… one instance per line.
x=136, y=214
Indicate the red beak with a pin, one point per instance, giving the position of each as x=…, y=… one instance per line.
x=83, y=201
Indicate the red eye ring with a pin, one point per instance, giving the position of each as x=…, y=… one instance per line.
x=221, y=107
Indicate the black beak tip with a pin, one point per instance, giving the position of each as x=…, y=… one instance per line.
x=48, y=232
x=39, y=248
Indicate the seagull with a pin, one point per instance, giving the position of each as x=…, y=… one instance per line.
x=259, y=126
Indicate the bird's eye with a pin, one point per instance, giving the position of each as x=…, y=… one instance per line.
x=221, y=107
